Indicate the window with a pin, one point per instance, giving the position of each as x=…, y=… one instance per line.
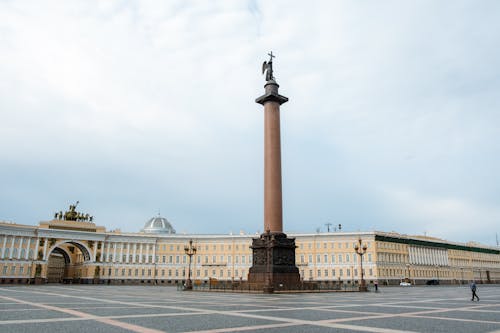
x=341, y=272
x=347, y=258
x=348, y=272
x=333, y=272
x=318, y=258
x=369, y=257
x=326, y=273
x=310, y=258
x=21, y=270
x=302, y=258
x=164, y=259
x=325, y=258
x=340, y=258
x=177, y=259
x=319, y=272
x=333, y=258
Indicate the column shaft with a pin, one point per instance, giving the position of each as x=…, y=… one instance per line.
x=273, y=212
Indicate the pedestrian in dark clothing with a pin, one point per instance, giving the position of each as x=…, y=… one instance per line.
x=376, y=286
x=473, y=288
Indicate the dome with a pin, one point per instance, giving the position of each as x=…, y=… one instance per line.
x=158, y=225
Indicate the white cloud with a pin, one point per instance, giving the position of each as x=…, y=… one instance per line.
x=447, y=217
x=152, y=103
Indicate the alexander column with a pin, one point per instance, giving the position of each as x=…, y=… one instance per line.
x=273, y=266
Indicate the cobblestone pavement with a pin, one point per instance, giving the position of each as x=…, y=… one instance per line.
x=81, y=308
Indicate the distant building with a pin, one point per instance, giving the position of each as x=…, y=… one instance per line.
x=81, y=252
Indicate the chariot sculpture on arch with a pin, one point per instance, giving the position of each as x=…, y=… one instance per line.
x=73, y=215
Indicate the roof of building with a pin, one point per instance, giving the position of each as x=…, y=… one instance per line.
x=158, y=225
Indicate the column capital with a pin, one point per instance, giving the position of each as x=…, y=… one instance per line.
x=271, y=94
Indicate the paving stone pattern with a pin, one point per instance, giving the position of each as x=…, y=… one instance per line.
x=152, y=309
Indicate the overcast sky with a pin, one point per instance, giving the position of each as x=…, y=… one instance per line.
x=135, y=107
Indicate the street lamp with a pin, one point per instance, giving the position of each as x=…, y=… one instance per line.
x=408, y=267
x=189, y=250
x=361, y=250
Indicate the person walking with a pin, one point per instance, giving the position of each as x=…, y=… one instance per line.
x=473, y=288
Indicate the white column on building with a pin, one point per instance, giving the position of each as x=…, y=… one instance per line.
x=12, y=247
x=140, y=253
x=95, y=252
x=108, y=250
x=101, y=258
x=147, y=253
x=121, y=252
x=45, y=244
x=20, y=248
x=154, y=253
x=127, y=260
x=37, y=245
x=114, y=251
x=28, y=245
x=3, y=246
x=135, y=253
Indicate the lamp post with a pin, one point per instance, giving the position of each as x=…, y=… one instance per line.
x=361, y=250
x=408, y=267
x=437, y=273
x=189, y=250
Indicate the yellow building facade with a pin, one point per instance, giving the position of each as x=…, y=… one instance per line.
x=80, y=252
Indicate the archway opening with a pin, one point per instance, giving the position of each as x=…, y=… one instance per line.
x=66, y=263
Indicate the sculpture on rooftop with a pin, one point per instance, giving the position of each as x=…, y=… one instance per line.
x=73, y=215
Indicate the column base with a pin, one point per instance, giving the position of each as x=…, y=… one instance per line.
x=273, y=266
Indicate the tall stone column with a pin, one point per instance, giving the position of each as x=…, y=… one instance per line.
x=273, y=267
